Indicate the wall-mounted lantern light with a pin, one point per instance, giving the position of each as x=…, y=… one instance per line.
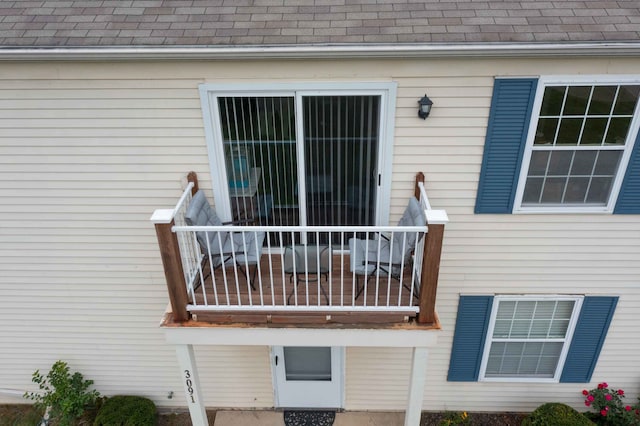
x=425, y=107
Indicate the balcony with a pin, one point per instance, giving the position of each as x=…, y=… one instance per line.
x=301, y=275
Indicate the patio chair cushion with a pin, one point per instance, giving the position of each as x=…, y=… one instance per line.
x=367, y=255
x=200, y=213
x=225, y=246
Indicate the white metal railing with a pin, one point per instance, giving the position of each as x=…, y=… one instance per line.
x=312, y=268
x=424, y=200
x=189, y=253
x=295, y=275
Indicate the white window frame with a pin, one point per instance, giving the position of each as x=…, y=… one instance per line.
x=566, y=341
x=543, y=82
x=387, y=91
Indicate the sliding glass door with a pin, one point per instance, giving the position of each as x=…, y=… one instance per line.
x=301, y=159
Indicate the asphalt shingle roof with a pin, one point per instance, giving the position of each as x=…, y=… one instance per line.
x=68, y=23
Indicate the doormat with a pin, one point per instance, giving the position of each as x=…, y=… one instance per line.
x=309, y=418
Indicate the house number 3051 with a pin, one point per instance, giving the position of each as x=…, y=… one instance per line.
x=189, y=384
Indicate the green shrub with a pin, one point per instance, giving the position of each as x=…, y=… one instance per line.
x=66, y=395
x=555, y=414
x=126, y=410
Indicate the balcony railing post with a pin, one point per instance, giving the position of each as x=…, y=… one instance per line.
x=193, y=177
x=416, y=188
x=172, y=263
x=436, y=219
x=430, y=272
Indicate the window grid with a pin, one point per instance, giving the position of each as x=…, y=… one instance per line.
x=572, y=184
x=550, y=348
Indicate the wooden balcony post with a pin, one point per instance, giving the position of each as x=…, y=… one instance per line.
x=416, y=188
x=170, y=253
x=193, y=177
x=430, y=272
x=436, y=219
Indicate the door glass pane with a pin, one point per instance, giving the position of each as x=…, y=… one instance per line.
x=341, y=155
x=307, y=363
x=260, y=157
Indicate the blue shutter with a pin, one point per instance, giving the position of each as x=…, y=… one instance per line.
x=629, y=197
x=504, y=145
x=468, y=341
x=588, y=338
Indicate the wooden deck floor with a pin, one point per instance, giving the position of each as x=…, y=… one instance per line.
x=275, y=288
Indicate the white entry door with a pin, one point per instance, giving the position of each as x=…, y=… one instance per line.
x=308, y=377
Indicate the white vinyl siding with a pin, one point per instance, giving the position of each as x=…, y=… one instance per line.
x=89, y=150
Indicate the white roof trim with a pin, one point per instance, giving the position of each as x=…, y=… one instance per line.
x=321, y=51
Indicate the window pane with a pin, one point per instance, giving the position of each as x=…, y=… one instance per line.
x=577, y=98
x=607, y=163
x=525, y=309
x=502, y=328
x=593, y=132
x=627, y=98
x=539, y=329
x=560, y=162
x=617, y=133
x=553, y=189
x=532, y=190
x=538, y=164
x=569, y=131
x=533, y=319
x=546, y=131
x=576, y=190
x=506, y=309
x=519, y=359
x=602, y=100
x=599, y=190
x=545, y=309
x=583, y=162
x=558, y=328
x=520, y=328
x=552, y=100
x=564, y=309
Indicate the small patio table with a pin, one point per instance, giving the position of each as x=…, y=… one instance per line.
x=303, y=260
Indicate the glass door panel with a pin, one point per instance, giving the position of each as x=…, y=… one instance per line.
x=339, y=145
x=307, y=363
x=259, y=140
x=341, y=137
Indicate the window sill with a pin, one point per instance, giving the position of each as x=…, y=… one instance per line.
x=563, y=210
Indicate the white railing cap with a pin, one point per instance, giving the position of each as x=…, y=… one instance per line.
x=162, y=216
x=437, y=217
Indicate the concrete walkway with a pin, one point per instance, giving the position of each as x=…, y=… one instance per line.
x=275, y=418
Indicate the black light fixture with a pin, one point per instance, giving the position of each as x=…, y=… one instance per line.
x=425, y=107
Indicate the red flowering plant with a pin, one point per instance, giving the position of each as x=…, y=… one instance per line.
x=609, y=407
